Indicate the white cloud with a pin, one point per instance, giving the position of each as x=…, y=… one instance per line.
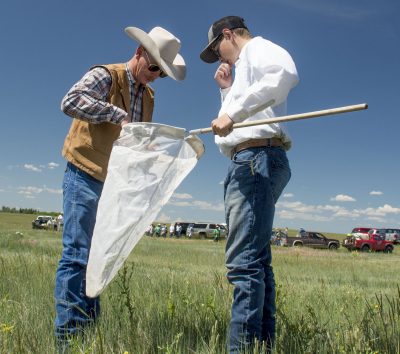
x=54, y=191
x=388, y=209
x=301, y=211
x=199, y=204
x=52, y=165
x=29, y=190
x=163, y=218
x=375, y=193
x=300, y=207
x=208, y=206
x=381, y=211
x=32, y=168
x=179, y=204
x=343, y=198
x=37, y=168
x=292, y=215
x=182, y=196
x=288, y=195
x=346, y=214
x=376, y=218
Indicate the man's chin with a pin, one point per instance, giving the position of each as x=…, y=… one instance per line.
x=146, y=81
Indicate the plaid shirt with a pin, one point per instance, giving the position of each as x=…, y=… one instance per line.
x=87, y=99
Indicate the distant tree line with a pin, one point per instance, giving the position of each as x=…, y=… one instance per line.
x=5, y=209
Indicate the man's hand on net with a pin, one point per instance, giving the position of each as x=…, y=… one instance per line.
x=222, y=126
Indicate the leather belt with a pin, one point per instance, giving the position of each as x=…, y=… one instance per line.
x=267, y=142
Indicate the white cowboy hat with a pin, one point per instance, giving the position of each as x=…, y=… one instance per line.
x=163, y=47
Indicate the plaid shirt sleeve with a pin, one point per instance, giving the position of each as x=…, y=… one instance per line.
x=86, y=100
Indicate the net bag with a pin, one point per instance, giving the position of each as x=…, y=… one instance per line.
x=147, y=163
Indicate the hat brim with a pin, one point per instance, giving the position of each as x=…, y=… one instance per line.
x=176, y=70
x=208, y=54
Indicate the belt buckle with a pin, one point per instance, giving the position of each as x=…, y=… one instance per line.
x=233, y=153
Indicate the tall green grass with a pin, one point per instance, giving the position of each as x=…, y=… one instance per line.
x=172, y=297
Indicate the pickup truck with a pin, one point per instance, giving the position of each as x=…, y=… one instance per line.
x=373, y=243
x=312, y=239
x=41, y=222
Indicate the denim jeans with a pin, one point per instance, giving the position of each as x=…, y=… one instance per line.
x=256, y=179
x=74, y=309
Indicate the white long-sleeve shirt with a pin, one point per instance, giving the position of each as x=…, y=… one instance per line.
x=263, y=71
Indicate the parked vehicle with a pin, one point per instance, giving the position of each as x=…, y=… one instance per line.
x=41, y=222
x=360, y=232
x=392, y=235
x=206, y=230
x=377, y=232
x=312, y=239
x=278, y=237
x=376, y=242
x=389, y=234
x=184, y=225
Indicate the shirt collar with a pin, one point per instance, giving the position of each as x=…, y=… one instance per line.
x=132, y=81
x=242, y=52
x=130, y=76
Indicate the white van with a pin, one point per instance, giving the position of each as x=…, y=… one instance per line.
x=392, y=235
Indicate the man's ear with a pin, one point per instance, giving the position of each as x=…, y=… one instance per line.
x=227, y=33
x=139, y=51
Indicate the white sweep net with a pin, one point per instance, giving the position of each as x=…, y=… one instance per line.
x=147, y=164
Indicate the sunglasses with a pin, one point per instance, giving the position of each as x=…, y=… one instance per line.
x=215, y=46
x=154, y=67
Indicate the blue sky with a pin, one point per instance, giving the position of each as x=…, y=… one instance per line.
x=345, y=171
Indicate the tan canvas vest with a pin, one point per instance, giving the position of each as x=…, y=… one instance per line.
x=87, y=145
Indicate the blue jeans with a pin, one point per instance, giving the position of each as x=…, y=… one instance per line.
x=256, y=179
x=74, y=309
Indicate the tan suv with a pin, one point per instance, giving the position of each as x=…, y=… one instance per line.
x=206, y=230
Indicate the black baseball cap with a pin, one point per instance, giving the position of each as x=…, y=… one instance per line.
x=230, y=22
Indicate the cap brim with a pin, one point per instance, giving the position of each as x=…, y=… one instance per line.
x=208, y=54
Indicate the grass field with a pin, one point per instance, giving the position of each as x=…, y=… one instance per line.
x=172, y=297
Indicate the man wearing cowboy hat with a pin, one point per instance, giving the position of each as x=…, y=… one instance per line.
x=107, y=97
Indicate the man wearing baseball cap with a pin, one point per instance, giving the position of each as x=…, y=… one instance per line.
x=258, y=172
x=107, y=97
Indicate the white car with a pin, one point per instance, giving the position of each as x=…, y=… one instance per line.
x=41, y=222
x=392, y=235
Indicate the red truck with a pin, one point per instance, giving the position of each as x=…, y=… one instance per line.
x=374, y=242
